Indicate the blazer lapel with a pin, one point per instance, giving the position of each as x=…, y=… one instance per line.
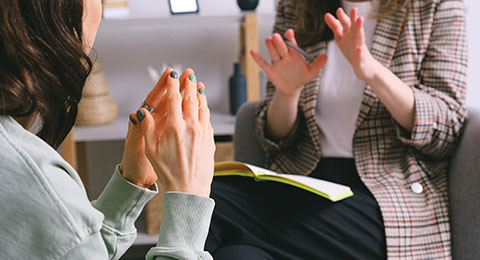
x=309, y=95
x=385, y=39
x=308, y=98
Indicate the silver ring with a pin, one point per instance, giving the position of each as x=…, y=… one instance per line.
x=147, y=107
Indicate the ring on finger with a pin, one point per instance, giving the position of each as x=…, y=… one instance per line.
x=147, y=107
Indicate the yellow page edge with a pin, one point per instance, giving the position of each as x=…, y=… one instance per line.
x=236, y=172
x=339, y=196
x=264, y=176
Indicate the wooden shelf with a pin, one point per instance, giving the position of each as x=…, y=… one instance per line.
x=223, y=124
x=180, y=20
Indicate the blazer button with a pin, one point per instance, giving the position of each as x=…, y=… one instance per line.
x=416, y=188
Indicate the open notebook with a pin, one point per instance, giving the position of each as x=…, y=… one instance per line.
x=329, y=190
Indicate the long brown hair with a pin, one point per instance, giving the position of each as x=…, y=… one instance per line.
x=43, y=66
x=310, y=25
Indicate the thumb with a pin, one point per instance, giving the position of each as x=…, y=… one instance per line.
x=134, y=130
x=317, y=64
x=148, y=127
x=260, y=61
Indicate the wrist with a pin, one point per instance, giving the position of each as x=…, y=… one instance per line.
x=288, y=97
x=282, y=102
x=138, y=183
x=133, y=180
x=377, y=70
x=287, y=90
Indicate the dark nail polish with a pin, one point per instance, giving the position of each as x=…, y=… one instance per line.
x=201, y=91
x=133, y=120
x=174, y=74
x=140, y=115
x=192, y=78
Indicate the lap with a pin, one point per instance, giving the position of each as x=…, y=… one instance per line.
x=290, y=223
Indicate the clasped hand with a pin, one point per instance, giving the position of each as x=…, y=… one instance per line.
x=175, y=143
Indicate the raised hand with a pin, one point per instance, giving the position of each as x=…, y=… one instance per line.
x=135, y=166
x=179, y=137
x=350, y=37
x=289, y=70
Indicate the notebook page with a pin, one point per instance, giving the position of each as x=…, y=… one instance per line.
x=321, y=185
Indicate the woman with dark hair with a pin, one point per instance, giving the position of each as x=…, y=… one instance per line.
x=45, y=212
x=383, y=115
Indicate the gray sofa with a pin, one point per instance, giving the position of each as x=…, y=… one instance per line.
x=464, y=178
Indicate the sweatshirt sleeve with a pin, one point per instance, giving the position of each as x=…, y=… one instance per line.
x=184, y=228
x=183, y=232
x=121, y=202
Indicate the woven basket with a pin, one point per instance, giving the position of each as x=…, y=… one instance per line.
x=96, y=110
x=96, y=85
x=97, y=106
x=153, y=209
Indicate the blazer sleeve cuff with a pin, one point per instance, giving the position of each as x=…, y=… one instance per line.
x=425, y=122
x=269, y=144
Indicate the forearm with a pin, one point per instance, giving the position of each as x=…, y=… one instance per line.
x=282, y=115
x=397, y=97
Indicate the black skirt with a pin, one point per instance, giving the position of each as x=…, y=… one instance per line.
x=269, y=220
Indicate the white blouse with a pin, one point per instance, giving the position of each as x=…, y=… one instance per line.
x=340, y=92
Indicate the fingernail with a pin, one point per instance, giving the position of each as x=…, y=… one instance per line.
x=174, y=74
x=140, y=115
x=133, y=120
x=201, y=91
x=192, y=78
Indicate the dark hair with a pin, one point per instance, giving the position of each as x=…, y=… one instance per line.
x=43, y=66
x=310, y=27
x=310, y=24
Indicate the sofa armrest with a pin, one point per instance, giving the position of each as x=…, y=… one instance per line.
x=464, y=182
x=246, y=145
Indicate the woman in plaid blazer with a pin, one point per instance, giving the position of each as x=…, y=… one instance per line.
x=410, y=119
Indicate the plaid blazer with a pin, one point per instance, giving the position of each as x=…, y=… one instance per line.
x=424, y=44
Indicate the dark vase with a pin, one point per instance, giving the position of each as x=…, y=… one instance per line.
x=247, y=5
x=238, y=88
